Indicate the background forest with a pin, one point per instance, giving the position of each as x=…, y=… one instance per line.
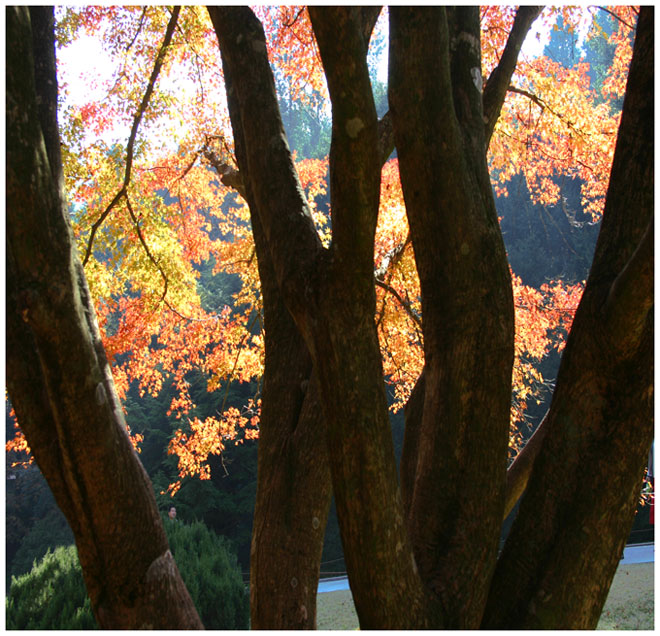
x=544, y=243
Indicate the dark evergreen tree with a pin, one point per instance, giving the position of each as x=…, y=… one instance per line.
x=53, y=594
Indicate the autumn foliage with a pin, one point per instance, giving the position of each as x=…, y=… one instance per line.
x=149, y=167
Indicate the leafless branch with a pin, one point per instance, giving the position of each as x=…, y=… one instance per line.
x=138, y=230
x=405, y=304
x=139, y=29
x=288, y=25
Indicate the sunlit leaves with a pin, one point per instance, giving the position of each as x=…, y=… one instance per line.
x=554, y=122
x=293, y=52
x=208, y=437
x=543, y=320
x=176, y=214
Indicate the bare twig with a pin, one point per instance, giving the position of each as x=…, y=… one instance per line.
x=405, y=304
x=138, y=230
x=616, y=17
x=288, y=25
x=139, y=29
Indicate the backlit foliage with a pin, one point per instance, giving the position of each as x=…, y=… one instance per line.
x=145, y=226
x=553, y=121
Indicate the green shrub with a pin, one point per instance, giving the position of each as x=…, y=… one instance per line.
x=53, y=595
x=47, y=533
x=210, y=570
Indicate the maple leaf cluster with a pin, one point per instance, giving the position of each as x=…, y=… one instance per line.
x=150, y=205
x=554, y=122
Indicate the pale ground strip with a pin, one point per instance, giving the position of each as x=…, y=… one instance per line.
x=630, y=604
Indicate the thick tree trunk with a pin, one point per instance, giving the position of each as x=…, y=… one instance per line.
x=330, y=294
x=58, y=379
x=293, y=480
x=460, y=440
x=576, y=514
x=459, y=412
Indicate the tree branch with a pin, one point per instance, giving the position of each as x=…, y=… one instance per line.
x=136, y=224
x=354, y=160
x=518, y=473
x=616, y=17
x=138, y=30
x=498, y=82
x=391, y=258
x=385, y=137
x=229, y=176
x=272, y=185
x=368, y=18
x=406, y=305
x=137, y=118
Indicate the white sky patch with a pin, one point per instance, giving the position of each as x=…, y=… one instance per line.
x=86, y=72
x=82, y=65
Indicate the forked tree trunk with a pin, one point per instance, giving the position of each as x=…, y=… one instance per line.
x=456, y=446
x=330, y=294
x=460, y=441
x=293, y=478
x=58, y=379
x=578, y=509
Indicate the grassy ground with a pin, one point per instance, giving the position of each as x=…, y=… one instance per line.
x=629, y=604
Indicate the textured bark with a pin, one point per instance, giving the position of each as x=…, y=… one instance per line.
x=576, y=514
x=427, y=561
x=460, y=442
x=517, y=475
x=57, y=376
x=330, y=293
x=293, y=480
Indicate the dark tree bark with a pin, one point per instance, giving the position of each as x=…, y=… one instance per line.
x=330, y=293
x=424, y=555
x=576, y=514
x=293, y=481
x=293, y=478
x=457, y=419
x=436, y=107
x=57, y=375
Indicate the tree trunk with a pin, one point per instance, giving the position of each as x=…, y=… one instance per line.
x=293, y=483
x=460, y=439
x=576, y=514
x=330, y=294
x=428, y=561
x=293, y=479
x=57, y=376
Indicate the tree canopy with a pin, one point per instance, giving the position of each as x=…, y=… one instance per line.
x=152, y=184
